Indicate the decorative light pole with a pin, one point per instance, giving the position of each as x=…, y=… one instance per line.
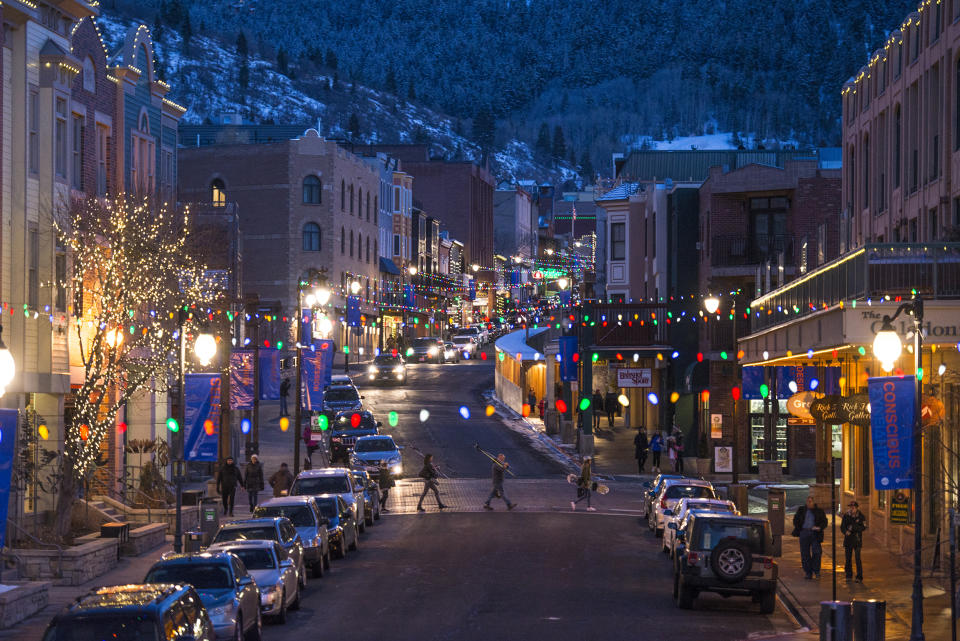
x=712, y=305
x=887, y=348
x=205, y=348
x=317, y=298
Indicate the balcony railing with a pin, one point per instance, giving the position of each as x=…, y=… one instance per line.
x=737, y=250
x=895, y=269
x=630, y=325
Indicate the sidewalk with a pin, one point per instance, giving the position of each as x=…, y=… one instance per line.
x=885, y=579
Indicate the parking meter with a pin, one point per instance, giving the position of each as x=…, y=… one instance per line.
x=776, y=514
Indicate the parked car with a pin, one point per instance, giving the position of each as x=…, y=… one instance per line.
x=670, y=493
x=341, y=398
x=451, y=353
x=307, y=520
x=274, y=575
x=271, y=528
x=427, y=350
x=387, y=368
x=685, y=505
x=653, y=487
x=467, y=345
x=727, y=554
x=369, y=451
x=371, y=495
x=473, y=332
x=341, y=379
x=133, y=613
x=332, y=480
x=226, y=589
x=342, y=525
x=349, y=426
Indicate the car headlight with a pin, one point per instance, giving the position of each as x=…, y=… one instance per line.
x=432, y=351
x=372, y=369
x=224, y=610
x=269, y=595
x=398, y=369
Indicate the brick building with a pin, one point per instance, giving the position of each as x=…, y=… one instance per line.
x=304, y=204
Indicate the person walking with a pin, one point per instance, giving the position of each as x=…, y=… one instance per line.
x=678, y=452
x=585, y=485
x=228, y=478
x=808, y=524
x=385, y=481
x=284, y=393
x=282, y=480
x=597, y=402
x=531, y=400
x=656, y=447
x=852, y=527
x=640, y=446
x=611, y=403
x=253, y=479
x=429, y=473
x=499, y=467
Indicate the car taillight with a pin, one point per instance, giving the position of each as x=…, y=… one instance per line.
x=767, y=562
x=693, y=558
x=663, y=504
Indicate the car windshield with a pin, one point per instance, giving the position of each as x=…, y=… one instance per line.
x=299, y=515
x=714, y=531
x=341, y=394
x=257, y=533
x=321, y=485
x=328, y=508
x=116, y=627
x=202, y=576
x=709, y=507
x=255, y=558
x=694, y=491
x=375, y=445
x=461, y=340
x=425, y=342
x=387, y=359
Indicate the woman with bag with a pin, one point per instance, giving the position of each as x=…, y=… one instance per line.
x=585, y=485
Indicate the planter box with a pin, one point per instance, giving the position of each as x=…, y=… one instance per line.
x=144, y=538
x=74, y=566
x=24, y=600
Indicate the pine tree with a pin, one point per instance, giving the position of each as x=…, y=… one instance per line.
x=411, y=93
x=331, y=59
x=282, y=61
x=559, y=145
x=354, y=126
x=543, y=140
x=484, y=128
x=186, y=33
x=586, y=167
x=157, y=32
x=244, y=71
x=391, y=82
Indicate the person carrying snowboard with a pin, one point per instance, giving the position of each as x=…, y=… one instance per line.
x=429, y=474
x=499, y=467
x=585, y=485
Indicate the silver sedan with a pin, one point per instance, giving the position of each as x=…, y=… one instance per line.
x=273, y=572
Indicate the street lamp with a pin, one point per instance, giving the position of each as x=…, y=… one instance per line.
x=712, y=305
x=355, y=287
x=114, y=338
x=548, y=252
x=887, y=347
x=412, y=270
x=205, y=347
x=475, y=267
x=562, y=283
x=7, y=367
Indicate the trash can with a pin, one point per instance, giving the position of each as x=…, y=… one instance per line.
x=776, y=514
x=835, y=621
x=191, y=497
x=209, y=517
x=869, y=620
x=193, y=542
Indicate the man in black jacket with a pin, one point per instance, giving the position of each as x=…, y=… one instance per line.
x=809, y=523
x=852, y=527
x=640, y=446
x=228, y=478
x=385, y=482
x=284, y=393
x=253, y=479
x=499, y=466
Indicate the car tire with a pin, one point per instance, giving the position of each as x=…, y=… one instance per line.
x=341, y=550
x=303, y=577
x=356, y=542
x=768, y=601
x=362, y=526
x=326, y=560
x=731, y=560
x=376, y=515
x=296, y=600
x=658, y=532
x=281, y=617
x=676, y=583
x=238, y=630
x=368, y=518
x=316, y=570
x=685, y=596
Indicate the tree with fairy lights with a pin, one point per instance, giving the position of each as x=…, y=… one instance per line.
x=131, y=267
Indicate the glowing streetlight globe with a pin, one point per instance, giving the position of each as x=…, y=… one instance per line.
x=562, y=283
x=323, y=296
x=412, y=270
x=326, y=325
x=355, y=288
x=205, y=348
x=711, y=304
x=887, y=346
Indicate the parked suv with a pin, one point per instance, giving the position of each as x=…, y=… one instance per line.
x=275, y=576
x=309, y=523
x=133, y=613
x=274, y=528
x=727, y=554
x=670, y=494
x=226, y=589
x=332, y=480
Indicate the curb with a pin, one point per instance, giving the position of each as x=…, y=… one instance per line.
x=793, y=607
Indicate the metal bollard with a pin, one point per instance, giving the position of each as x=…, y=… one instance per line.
x=835, y=621
x=869, y=620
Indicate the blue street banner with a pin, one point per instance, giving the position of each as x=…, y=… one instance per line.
x=568, y=366
x=472, y=291
x=892, y=405
x=241, y=379
x=353, y=311
x=8, y=438
x=408, y=297
x=269, y=374
x=312, y=376
x=325, y=350
x=565, y=297
x=202, y=403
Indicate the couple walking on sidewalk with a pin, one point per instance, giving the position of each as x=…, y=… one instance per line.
x=809, y=524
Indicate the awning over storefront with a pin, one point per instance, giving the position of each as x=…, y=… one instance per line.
x=514, y=343
x=389, y=267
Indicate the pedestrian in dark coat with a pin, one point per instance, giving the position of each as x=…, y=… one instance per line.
x=253, y=479
x=282, y=480
x=585, y=484
x=656, y=447
x=429, y=473
x=596, y=401
x=499, y=467
x=640, y=446
x=284, y=393
x=531, y=399
x=611, y=403
x=385, y=481
x=677, y=446
x=228, y=478
x=808, y=524
x=852, y=527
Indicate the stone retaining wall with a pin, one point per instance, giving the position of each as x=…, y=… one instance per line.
x=74, y=566
x=144, y=538
x=25, y=600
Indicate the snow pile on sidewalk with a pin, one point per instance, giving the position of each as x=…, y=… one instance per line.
x=537, y=438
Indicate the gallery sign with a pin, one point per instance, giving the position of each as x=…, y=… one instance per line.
x=634, y=377
x=799, y=404
x=941, y=322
